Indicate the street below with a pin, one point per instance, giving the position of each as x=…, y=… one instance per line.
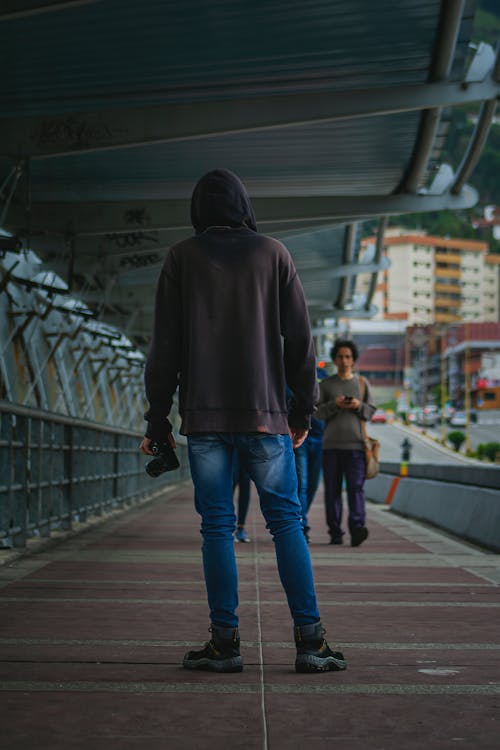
x=424, y=447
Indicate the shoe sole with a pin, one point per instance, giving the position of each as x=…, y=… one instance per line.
x=235, y=664
x=307, y=663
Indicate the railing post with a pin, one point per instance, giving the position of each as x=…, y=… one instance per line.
x=67, y=447
x=19, y=507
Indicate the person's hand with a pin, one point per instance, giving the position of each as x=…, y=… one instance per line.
x=145, y=446
x=354, y=404
x=340, y=403
x=298, y=436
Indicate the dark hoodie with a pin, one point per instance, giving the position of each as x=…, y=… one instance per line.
x=231, y=324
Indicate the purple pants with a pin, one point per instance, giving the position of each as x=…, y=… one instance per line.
x=337, y=464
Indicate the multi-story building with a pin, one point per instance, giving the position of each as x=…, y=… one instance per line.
x=472, y=356
x=436, y=279
x=457, y=357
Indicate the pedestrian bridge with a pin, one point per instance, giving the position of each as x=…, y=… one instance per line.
x=334, y=115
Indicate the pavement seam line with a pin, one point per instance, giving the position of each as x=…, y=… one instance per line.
x=370, y=645
x=238, y=688
x=257, y=602
x=259, y=635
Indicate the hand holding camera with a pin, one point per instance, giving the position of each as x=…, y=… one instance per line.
x=165, y=458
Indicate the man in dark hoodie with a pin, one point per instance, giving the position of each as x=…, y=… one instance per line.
x=231, y=327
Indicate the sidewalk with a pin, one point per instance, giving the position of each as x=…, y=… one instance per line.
x=93, y=631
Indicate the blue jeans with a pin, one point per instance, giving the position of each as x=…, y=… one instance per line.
x=270, y=462
x=308, y=460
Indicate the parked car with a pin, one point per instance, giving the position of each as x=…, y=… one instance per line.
x=428, y=415
x=379, y=416
x=458, y=419
x=460, y=410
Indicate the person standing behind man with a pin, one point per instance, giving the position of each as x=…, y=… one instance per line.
x=241, y=480
x=344, y=402
x=308, y=461
x=231, y=328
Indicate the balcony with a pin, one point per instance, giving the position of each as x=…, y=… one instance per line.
x=447, y=288
x=440, y=317
x=447, y=258
x=444, y=301
x=448, y=273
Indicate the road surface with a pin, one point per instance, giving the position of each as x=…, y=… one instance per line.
x=423, y=450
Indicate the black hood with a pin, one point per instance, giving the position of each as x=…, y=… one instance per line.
x=220, y=199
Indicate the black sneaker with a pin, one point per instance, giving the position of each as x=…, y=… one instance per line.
x=337, y=539
x=221, y=653
x=358, y=536
x=313, y=652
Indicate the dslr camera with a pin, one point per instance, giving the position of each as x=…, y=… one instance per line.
x=165, y=459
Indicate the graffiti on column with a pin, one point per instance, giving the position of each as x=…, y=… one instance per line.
x=140, y=261
x=137, y=216
x=129, y=240
x=139, y=239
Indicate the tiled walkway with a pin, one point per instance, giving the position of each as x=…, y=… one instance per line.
x=93, y=630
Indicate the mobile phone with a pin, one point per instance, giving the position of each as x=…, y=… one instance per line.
x=348, y=399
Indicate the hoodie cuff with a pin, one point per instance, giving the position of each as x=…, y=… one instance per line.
x=300, y=422
x=158, y=431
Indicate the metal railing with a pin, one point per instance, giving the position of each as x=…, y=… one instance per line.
x=55, y=470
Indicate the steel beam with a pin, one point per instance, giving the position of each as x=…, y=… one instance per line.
x=475, y=147
x=96, y=130
x=347, y=257
x=85, y=219
x=378, y=261
x=444, y=50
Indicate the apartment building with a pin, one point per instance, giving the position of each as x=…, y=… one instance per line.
x=435, y=279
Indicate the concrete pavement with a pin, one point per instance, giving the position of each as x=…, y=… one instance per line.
x=93, y=630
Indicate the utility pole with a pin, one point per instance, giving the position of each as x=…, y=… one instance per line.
x=443, y=386
x=407, y=379
x=467, y=389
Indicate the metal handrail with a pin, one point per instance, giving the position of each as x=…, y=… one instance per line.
x=28, y=411
x=56, y=469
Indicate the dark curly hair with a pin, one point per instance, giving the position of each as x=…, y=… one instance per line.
x=348, y=344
